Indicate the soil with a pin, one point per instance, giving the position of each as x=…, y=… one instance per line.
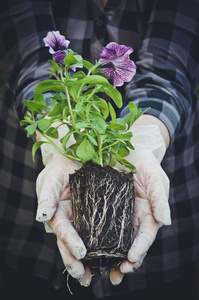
x=103, y=202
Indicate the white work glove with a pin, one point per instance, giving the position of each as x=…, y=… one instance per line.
x=55, y=210
x=152, y=192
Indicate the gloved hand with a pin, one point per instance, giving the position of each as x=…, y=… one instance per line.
x=55, y=210
x=152, y=192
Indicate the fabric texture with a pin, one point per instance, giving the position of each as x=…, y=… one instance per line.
x=165, y=37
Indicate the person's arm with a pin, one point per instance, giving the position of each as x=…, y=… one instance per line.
x=168, y=70
x=23, y=56
x=168, y=65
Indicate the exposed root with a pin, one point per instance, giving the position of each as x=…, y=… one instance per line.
x=103, y=201
x=67, y=283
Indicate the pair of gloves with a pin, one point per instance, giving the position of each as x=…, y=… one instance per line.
x=151, y=203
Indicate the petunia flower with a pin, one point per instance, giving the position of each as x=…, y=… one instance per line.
x=56, y=43
x=59, y=56
x=116, y=63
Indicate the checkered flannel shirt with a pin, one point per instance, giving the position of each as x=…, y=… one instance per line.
x=165, y=37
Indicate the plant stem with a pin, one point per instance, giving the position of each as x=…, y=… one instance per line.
x=111, y=145
x=88, y=74
x=69, y=106
x=56, y=147
x=91, y=95
x=98, y=138
x=50, y=141
x=100, y=149
x=93, y=68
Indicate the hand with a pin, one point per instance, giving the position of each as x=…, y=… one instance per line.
x=151, y=202
x=55, y=210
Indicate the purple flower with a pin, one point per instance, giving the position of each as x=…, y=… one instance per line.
x=56, y=43
x=116, y=63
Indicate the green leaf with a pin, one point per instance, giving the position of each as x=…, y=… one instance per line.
x=78, y=137
x=49, y=85
x=96, y=109
x=118, y=124
x=130, y=118
x=73, y=148
x=28, y=114
x=81, y=125
x=79, y=63
x=85, y=151
x=112, y=163
x=79, y=75
x=96, y=160
x=69, y=60
x=132, y=106
x=134, y=114
x=70, y=153
x=43, y=124
x=31, y=128
x=35, y=107
x=103, y=137
x=112, y=111
x=94, y=79
x=73, y=60
x=116, y=146
x=129, y=145
x=124, y=162
x=56, y=110
x=53, y=132
x=79, y=107
x=25, y=122
x=65, y=139
x=126, y=135
x=92, y=140
x=65, y=112
x=103, y=106
x=39, y=98
x=123, y=151
x=114, y=94
x=54, y=65
x=56, y=97
x=63, y=96
x=35, y=147
x=98, y=123
x=87, y=64
x=53, y=102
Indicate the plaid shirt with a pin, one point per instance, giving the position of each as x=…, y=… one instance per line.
x=165, y=37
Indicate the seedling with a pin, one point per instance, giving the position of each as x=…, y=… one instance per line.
x=102, y=197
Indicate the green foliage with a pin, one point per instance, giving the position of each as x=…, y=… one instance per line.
x=76, y=104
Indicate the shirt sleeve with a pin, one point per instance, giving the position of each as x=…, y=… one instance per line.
x=23, y=56
x=168, y=64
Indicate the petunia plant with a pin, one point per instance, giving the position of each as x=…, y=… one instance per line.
x=76, y=86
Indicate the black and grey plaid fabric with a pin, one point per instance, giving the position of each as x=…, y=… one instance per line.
x=165, y=37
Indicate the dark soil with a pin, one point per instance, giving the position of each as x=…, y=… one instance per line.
x=103, y=201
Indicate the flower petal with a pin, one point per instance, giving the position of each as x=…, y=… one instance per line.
x=116, y=63
x=61, y=42
x=50, y=41
x=59, y=56
x=121, y=75
x=55, y=41
x=114, y=50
